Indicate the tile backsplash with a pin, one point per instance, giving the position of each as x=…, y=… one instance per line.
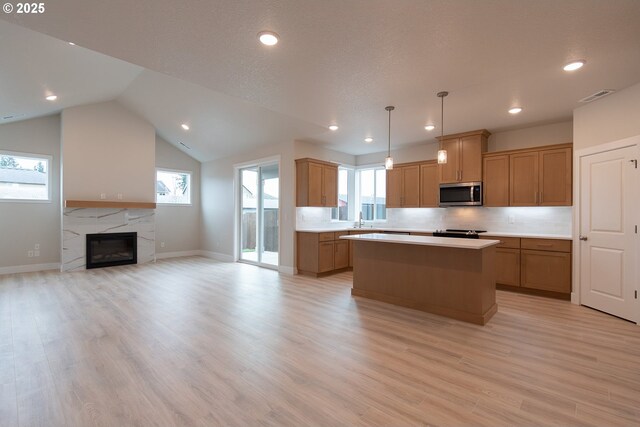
x=526, y=220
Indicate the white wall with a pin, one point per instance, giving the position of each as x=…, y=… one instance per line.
x=178, y=226
x=107, y=149
x=609, y=119
x=23, y=224
x=556, y=133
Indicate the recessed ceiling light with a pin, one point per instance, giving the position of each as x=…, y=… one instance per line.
x=185, y=126
x=574, y=65
x=268, y=38
x=515, y=110
x=72, y=43
x=429, y=127
x=368, y=140
x=333, y=127
x=51, y=97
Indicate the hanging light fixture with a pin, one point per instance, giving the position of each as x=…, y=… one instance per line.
x=442, y=154
x=388, y=162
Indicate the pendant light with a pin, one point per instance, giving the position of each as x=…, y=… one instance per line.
x=388, y=162
x=442, y=154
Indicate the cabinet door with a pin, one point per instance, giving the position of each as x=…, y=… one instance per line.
x=549, y=271
x=330, y=186
x=429, y=188
x=394, y=188
x=508, y=266
x=496, y=180
x=341, y=254
x=411, y=186
x=523, y=179
x=449, y=171
x=325, y=257
x=471, y=158
x=555, y=177
x=314, y=186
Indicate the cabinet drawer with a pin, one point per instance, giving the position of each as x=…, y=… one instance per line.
x=547, y=245
x=505, y=242
x=337, y=234
x=325, y=237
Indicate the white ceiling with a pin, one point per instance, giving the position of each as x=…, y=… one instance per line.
x=343, y=61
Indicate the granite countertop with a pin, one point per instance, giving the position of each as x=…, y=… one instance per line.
x=423, y=230
x=424, y=240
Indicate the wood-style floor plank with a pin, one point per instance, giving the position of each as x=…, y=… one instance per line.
x=193, y=342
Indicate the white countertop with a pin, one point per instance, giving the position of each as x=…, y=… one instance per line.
x=419, y=230
x=447, y=242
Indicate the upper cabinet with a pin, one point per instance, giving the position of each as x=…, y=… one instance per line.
x=316, y=183
x=539, y=176
x=464, y=156
x=403, y=186
x=429, y=186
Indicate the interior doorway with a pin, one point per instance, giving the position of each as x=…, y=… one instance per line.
x=259, y=222
x=608, y=221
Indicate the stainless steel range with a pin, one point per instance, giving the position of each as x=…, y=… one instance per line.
x=462, y=234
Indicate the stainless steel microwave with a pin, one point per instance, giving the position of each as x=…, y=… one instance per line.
x=461, y=194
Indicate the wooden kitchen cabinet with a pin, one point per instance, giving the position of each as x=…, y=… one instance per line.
x=541, y=177
x=429, y=185
x=403, y=186
x=495, y=172
x=545, y=264
x=359, y=231
x=464, y=156
x=316, y=183
x=319, y=253
x=508, y=266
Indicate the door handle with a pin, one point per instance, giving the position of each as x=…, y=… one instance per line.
x=583, y=238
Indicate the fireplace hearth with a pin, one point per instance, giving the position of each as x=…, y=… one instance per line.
x=109, y=249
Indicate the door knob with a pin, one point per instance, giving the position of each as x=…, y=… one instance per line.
x=584, y=238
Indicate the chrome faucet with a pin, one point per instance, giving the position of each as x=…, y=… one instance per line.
x=360, y=221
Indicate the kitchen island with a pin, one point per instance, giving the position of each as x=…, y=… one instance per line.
x=445, y=276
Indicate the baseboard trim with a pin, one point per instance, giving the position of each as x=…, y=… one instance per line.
x=286, y=270
x=30, y=268
x=165, y=255
x=217, y=256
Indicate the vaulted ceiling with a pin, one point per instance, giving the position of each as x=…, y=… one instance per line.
x=338, y=61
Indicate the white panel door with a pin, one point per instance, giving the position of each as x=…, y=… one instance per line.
x=608, y=232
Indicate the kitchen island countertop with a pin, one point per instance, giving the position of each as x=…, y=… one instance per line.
x=447, y=242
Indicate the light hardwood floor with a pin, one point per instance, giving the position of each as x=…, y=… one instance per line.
x=195, y=342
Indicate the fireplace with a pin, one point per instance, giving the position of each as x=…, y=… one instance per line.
x=109, y=249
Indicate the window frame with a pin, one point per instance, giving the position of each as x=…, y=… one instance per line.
x=178, y=171
x=351, y=195
x=358, y=194
x=49, y=159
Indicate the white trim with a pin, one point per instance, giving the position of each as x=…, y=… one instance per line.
x=29, y=268
x=155, y=187
x=165, y=255
x=49, y=159
x=286, y=270
x=217, y=256
x=633, y=141
x=258, y=162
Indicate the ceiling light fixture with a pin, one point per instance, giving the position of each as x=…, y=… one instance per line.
x=268, y=38
x=388, y=162
x=574, y=65
x=51, y=97
x=333, y=127
x=442, y=154
x=515, y=110
x=72, y=43
x=368, y=140
x=429, y=127
x=185, y=126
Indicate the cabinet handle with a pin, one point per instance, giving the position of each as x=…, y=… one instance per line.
x=535, y=196
x=544, y=245
x=540, y=201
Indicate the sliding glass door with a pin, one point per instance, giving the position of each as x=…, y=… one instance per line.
x=259, y=214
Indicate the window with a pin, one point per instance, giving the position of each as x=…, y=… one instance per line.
x=343, y=211
x=173, y=187
x=24, y=177
x=372, y=193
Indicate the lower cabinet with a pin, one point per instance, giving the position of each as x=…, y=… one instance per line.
x=321, y=252
x=538, y=264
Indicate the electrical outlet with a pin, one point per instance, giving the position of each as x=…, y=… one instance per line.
x=36, y=246
x=30, y=254
x=162, y=244
x=36, y=253
x=119, y=196
x=512, y=219
x=103, y=196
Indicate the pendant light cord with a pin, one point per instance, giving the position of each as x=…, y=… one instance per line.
x=389, y=139
x=442, y=118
